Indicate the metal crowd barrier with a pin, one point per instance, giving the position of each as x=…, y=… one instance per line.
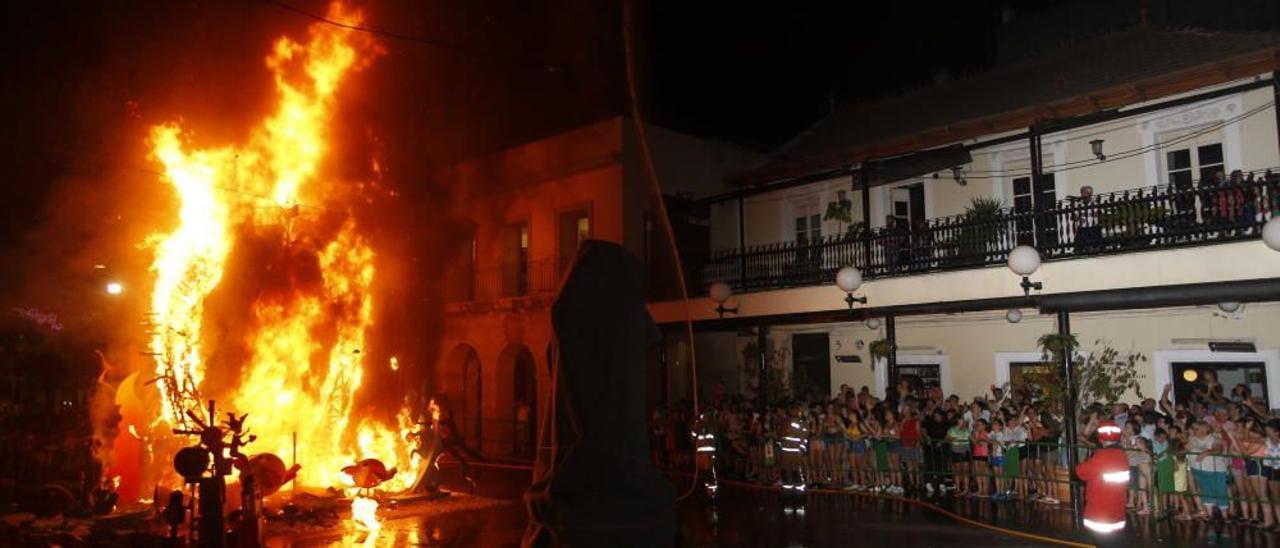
x=1221, y=480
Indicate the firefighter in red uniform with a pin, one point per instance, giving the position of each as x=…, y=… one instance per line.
x=1106, y=477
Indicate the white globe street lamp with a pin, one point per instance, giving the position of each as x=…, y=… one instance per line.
x=1024, y=261
x=873, y=323
x=849, y=279
x=1013, y=315
x=720, y=293
x=1271, y=234
x=1229, y=307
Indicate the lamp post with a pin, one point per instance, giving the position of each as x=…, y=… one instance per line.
x=849, y=279
x=1024, y=261
x=720, y=293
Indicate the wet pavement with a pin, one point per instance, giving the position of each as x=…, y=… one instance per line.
x=754, y=517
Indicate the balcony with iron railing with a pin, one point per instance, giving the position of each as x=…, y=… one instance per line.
x=1118, y=222
x=515, y=279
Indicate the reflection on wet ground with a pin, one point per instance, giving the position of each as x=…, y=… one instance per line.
x=752, y=517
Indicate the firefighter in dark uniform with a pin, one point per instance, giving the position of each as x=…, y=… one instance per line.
x=704, y=443
x=794, y=445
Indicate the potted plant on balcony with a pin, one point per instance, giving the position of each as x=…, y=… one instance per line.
x=979, y=231
x=1129, y=222
x=841, y=211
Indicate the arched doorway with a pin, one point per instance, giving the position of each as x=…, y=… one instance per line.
x=462, y=385
x=517, y=367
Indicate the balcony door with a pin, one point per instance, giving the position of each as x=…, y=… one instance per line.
x=463, y=275
x=807, y=266
x=906, y=204
x=1039, y=230
x=515, y=260
x=574, y=228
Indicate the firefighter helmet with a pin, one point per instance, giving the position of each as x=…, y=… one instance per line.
x=1108, y=431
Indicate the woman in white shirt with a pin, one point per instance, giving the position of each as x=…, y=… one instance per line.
x=1209, y=469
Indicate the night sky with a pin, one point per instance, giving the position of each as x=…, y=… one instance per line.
x=758, y=73
x=83, y=81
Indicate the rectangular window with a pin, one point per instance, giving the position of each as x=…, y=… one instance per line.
x=808, y=228
x=463, y=276
x=575, y=228
x=1191, y=156
x=1022, y=197
x=907, y=204
x=1027, y=198
x=1209, y=158
x=1178, y=165
x=515, y=260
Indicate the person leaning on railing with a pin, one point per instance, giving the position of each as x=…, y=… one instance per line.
x=1208, y=469
x=958, y=438
x=912, y=454
x=1271, y=471
x=856, y=439
x=893, y=238
x=937, y=458
x=1088, y=229
x=1247, y=440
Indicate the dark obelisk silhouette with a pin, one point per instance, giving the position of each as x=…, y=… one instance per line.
x=594, y=483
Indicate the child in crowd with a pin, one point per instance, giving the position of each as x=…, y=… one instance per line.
x=981, y=458
x=1140, y=468
x=998, y=440
x=958, y=437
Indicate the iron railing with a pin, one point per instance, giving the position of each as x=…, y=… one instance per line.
x=1163, y=484
x=1118, y=222
x=510, y=280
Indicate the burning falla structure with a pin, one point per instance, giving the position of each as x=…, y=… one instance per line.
x=287, y=345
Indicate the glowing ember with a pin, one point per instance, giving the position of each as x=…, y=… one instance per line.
x=114, y=288
x=394, y=363
x=304, y=350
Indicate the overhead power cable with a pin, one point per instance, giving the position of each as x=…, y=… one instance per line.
x=405, y=37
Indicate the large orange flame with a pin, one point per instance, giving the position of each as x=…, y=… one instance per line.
x=307, y=349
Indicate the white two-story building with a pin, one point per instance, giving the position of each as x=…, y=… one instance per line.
x=949, y=178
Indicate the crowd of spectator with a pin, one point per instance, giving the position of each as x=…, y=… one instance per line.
x=1214, y=456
